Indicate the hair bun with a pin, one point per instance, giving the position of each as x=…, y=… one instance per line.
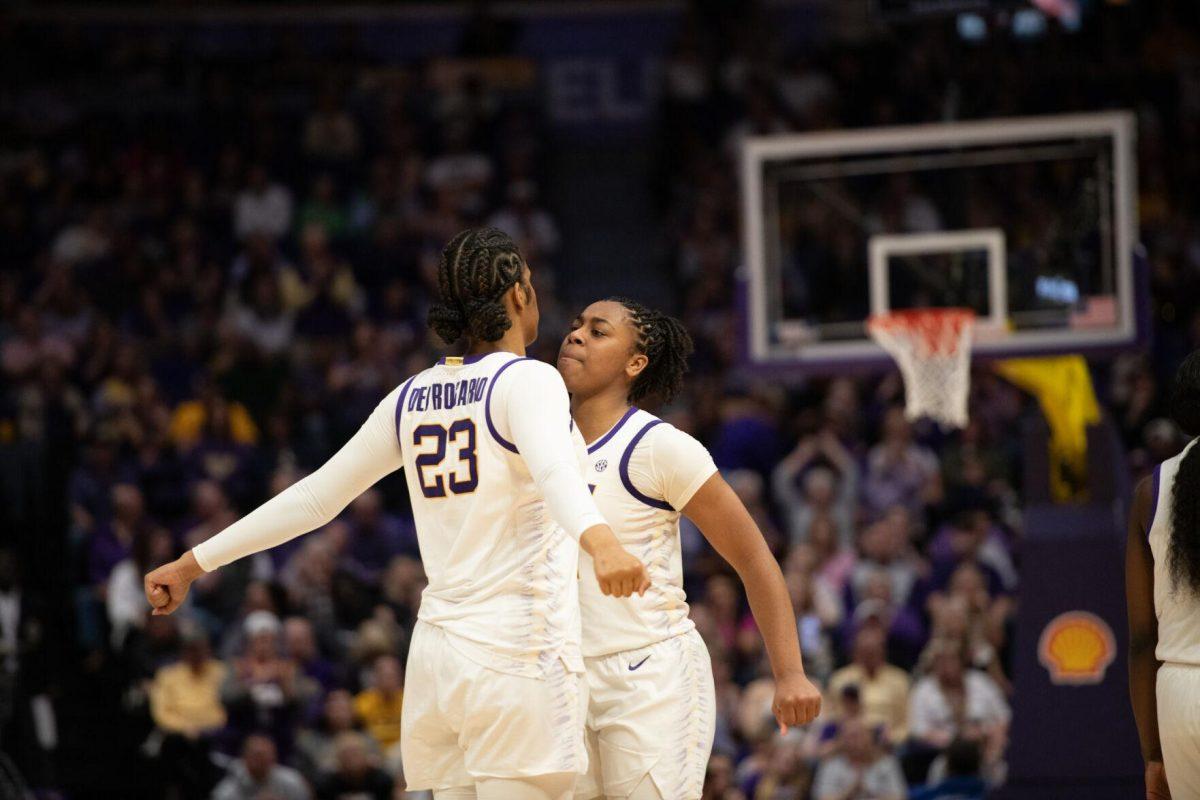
x=486, y=319
x=447, y=322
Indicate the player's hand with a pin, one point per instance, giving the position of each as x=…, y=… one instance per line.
x=797, y=701
x=1156, y=781
x=618, y=573
x=167, y=586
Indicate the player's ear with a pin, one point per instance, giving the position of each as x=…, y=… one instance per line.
x=518, y=296
x=635, y=365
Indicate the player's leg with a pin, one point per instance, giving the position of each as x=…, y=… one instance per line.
x=657, y=729
x=1178, y=688
x=436, y=685
x=516, y=726
x=558, y=786
x=589, y=785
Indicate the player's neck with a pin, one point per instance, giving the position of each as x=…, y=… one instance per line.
x=513, y=341
x=596, y=415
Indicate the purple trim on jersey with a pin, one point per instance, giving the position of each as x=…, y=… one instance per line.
x=400, y=408
x=487, y=406
x=629, y=487
x=612, y=431
x=1153, y=500
x=468, y=359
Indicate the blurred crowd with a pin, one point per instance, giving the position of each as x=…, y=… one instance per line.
x=199, y=302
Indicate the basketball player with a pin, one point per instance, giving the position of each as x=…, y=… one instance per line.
x=1162, y=590
x=652, y=708
x=495, y=695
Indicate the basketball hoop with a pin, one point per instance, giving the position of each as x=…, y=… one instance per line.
x=933, y=348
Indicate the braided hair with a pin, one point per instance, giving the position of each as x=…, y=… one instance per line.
x=1183, y=557
x=478, y=266
x=665, y=343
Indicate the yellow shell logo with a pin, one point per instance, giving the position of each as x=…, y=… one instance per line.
x=1077, y=647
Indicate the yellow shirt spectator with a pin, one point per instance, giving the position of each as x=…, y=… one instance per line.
x=186, y=699
x=379, y=707
x=188, y=421
x=884, y=696
x=380, y=712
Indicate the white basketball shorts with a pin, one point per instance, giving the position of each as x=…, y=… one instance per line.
x=650, y=711
x=463, y=722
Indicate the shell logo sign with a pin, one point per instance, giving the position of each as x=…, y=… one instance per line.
x=1076, y=648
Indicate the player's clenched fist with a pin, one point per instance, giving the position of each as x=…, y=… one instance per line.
x=618, y=573
x=167, y=586
x=797, y=700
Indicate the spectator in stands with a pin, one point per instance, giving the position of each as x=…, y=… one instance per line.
x=954, y=701
x=530, y=225
x=900, y=471
x=830, y=479
x=902, y=624
x=185, y=703
x=125, y=595
x=356, y=776
x=258, y=774
x=374, y=538
x=816, y=614
x=380, y=705
x=966, y=613
x=300, y=645
x=832, y=562
x=960, y=767
x=262, y=207
x=316, y=751
x=884, y=548
x=265, y=691
x=784, y=773
x=972, y=537
x=331, y=134
x=859, y=770
x=881, y=687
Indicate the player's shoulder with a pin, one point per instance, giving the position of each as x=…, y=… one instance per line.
x=526, y=368
x=659, y=433
x=663, y=443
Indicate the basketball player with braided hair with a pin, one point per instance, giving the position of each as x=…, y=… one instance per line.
x=495, y=695
x=1162, y=592
x=651, y=714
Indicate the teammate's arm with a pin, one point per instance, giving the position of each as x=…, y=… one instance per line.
x=1143, y=637
x=538, y=412
x=373, y=452
x=728, y=526
x=682, y=472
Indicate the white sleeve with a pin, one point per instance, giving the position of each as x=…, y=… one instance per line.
x=537, y=412
x=373, y=452
x=671, y=465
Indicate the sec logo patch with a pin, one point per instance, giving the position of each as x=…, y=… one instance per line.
x=601, y=465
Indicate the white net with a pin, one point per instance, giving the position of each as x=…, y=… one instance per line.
x=932, y=346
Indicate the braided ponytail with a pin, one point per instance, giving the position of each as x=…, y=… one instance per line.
x=666, y=345
x=478, y=266
x=1183, y=559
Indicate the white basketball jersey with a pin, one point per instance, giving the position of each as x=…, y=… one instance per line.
x=637, y=470
x=501, y=571
x=1178, y=611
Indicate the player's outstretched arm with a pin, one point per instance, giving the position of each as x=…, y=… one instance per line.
x=728, y=526
x=373, y=452
x=538, y=412
x=1143, y=638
